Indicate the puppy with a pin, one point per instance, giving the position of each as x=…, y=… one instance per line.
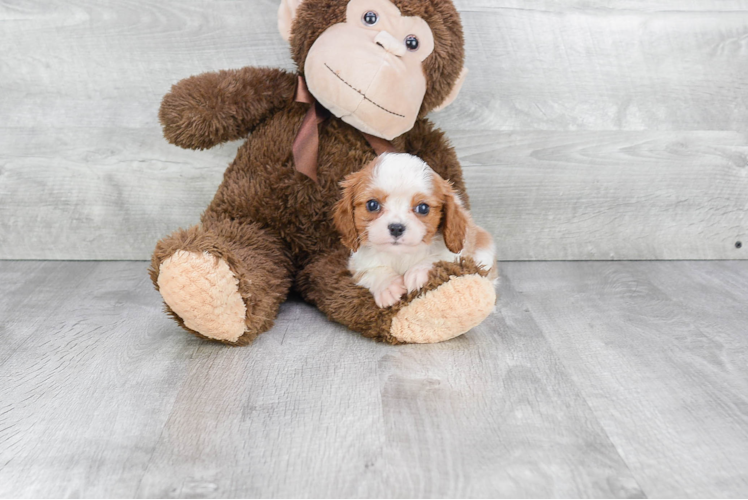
x=399, y=217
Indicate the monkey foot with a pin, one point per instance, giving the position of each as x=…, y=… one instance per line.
x=446, y=312
x=201, y=289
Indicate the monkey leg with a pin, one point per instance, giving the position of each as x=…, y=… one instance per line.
x=222, y=281
x=457, y=297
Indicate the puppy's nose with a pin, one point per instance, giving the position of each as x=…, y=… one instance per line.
x=396, y=230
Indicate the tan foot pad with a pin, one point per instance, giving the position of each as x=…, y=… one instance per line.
x=452, y=309
x=203, y=291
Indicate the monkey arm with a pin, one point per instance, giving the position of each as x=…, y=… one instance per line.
x=208, y=109
x=431, y=145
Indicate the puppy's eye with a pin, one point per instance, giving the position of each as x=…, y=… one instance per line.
x=422, y=209
x=370, y=18
x=372, y=206
x=411, y=43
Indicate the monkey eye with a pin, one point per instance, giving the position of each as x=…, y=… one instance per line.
x=422, y=209
x=370, y=18
x=372, y=206
x=411, y=42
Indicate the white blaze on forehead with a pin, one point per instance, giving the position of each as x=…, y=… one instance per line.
x=403, y=174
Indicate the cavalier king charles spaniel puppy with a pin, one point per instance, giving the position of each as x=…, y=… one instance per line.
x=399, y=217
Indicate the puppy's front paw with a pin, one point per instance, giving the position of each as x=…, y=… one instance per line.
x=416, y=277
x=390, y=294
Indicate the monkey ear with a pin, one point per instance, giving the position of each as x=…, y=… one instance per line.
x=343, y=214
x=286, y=15
x=455, y=90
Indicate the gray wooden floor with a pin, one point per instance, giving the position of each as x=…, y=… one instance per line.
x=603, y=379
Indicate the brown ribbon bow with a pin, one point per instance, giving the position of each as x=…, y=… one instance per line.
x=306, y=145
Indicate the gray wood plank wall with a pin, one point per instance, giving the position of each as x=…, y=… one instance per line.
x=588, y=129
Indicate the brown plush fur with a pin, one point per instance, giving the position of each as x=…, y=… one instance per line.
x=209, y=109
x=327, y=284
x=251, y=253
x=273, y=225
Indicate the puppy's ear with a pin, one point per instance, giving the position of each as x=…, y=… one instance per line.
x=343, y=215
x=454, y=218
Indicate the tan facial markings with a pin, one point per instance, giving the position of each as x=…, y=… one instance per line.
x=371, y=75
x=432, y=219
x=350, y=214
x=362, y=215
x=411, y=219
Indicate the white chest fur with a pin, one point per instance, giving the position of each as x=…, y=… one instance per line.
x=368, y=257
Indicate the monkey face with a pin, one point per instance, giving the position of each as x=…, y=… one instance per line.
x=368, y=70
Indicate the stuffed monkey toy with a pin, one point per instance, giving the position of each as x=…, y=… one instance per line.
x=369, y=71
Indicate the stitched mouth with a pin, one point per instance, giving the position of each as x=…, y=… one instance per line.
x=362, y=94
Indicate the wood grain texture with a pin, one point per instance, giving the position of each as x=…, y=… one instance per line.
x=543, y=64
x=609, y=195
x=321, y=412
x=60, y=197
x=102, y=395
x=604, y=65
x=544, y=195
x=86, y=378
x=621, y=379
x=589, y=129
x=660, y=353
